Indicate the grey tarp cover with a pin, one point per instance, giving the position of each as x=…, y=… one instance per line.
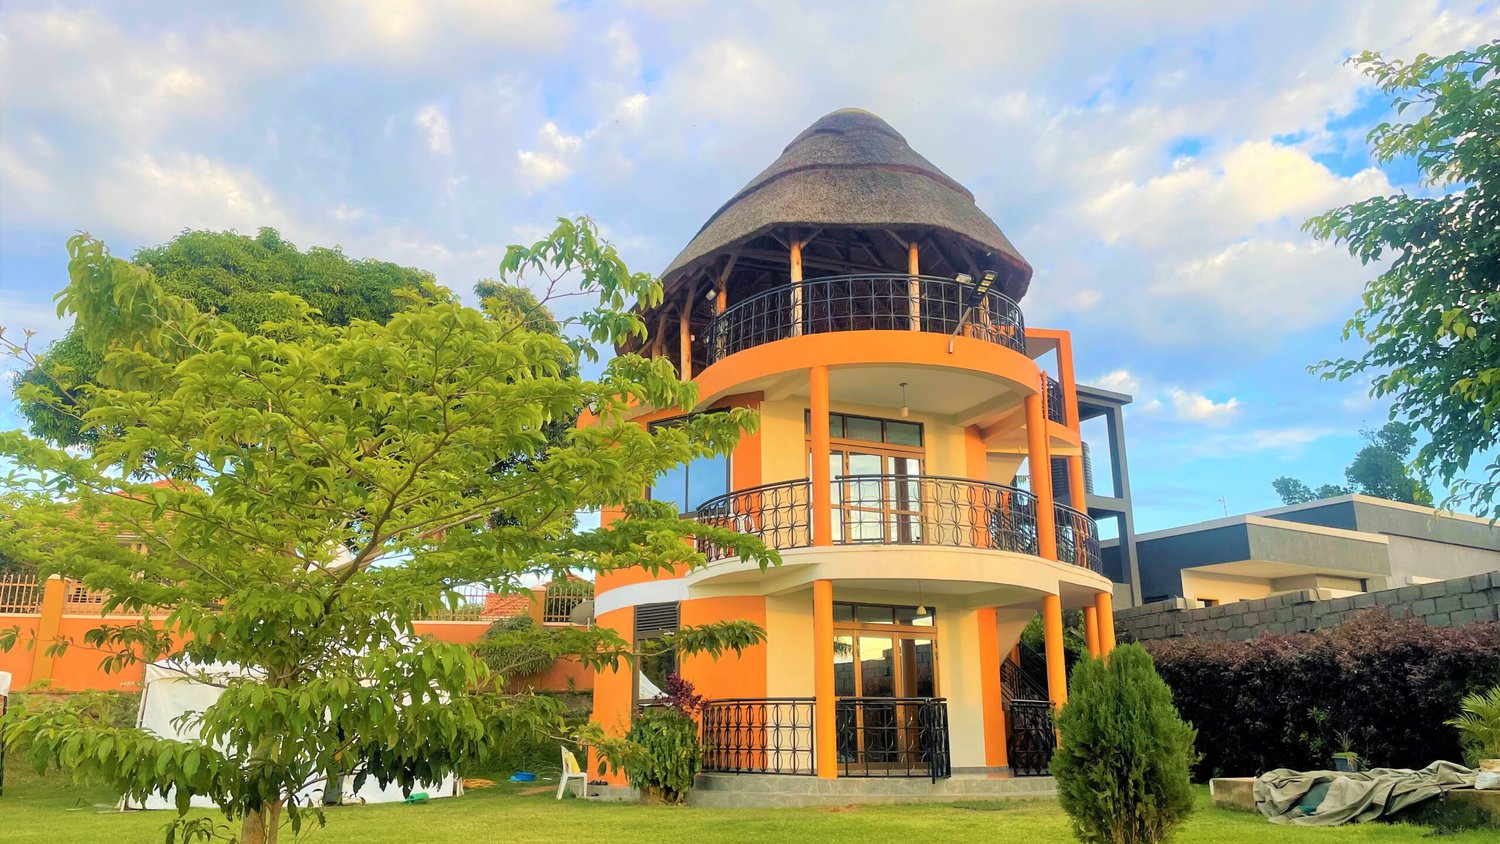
x=1330, y=798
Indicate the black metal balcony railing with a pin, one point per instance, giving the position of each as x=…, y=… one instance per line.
x=892, y=737
x=759, y=735
x=1032, y=739
x=777, y=513
x=901, y=510
x=866, y=303
x=932, y=510
x=1078, y=539
x=1057, y=409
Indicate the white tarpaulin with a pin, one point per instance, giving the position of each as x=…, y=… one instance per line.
x=169, y=693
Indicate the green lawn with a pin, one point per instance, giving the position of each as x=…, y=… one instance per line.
x=41, y=810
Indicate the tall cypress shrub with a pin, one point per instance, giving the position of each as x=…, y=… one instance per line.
x=1122, y=767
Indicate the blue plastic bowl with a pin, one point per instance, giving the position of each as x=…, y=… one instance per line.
x=523, y=776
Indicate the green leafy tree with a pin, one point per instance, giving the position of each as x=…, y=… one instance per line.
x=1293, y=491
x=1123, y=755
x=1380, y=468
x=304, y=491
x=1432, y=317
x=239, y=278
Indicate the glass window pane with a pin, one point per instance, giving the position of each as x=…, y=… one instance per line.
x=916, y=665
x=843, y=612
x=872, y=614
x=671, y=486
x=843, y=666
x=903, y=433
x=836, y=425
x=861, y=428
x=864, y=464
x=908, y=615
x=877, y=666
x=708, y=477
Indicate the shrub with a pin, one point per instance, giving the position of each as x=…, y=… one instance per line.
x=516, y=647
x=667, y=753
x=1478, y=726
x=519, y=746
x=1124, y=754
x=1281, y=700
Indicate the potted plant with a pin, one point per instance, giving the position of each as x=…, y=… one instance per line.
x=1346, y=760
x=1478, y=725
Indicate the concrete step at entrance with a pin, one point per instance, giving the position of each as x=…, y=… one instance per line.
x=761, y=790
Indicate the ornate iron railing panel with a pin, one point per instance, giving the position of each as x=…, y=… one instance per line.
x=1057, y=409
x=759, y=736
x=892, y=737
x=867, y=303
x=1032, y=738
x=1077, y=539
x=777, y=513
x=932, y=510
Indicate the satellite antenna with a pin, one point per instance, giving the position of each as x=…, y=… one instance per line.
x=582, y=614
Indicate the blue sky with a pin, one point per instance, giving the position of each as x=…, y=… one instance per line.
x=1153, y=161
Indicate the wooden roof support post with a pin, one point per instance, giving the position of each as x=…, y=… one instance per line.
x=685, y=335
x=914, y=292
x=796, y=270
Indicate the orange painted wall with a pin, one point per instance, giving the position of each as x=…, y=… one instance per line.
x=614, y=689
x=18, y=659
x=730, y=675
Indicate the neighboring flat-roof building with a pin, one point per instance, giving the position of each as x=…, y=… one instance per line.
x=1348, y=544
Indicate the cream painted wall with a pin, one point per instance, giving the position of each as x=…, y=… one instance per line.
x=1223, y=588
x=959, y=676
x=789, y=645
x=784, y=431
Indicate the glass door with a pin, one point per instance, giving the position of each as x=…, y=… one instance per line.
x=882, y=673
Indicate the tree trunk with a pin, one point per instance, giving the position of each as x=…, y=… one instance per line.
x=262, y=827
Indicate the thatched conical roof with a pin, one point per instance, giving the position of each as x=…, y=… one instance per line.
x=850, y=168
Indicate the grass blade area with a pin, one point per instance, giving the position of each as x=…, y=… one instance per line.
x=41, y=810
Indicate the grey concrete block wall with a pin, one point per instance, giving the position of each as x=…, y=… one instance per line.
x=1446, y=603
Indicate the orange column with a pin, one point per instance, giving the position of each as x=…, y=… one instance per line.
x=54, y=591
x=822, y=481
x=991, y=702
x=1104, y=605
x=826, y=732
x=1068, y=384
x=1039, y=455
x=1057, y=669
x=1091, y=630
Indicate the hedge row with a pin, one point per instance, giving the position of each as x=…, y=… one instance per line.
x=1379, y=686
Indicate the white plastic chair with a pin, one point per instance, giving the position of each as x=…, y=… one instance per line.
x=570, y=771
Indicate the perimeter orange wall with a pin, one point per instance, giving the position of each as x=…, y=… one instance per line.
x=18, y=659
x=730, y=675
x=563, y=675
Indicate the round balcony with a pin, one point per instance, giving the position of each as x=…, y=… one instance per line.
x=903, y=510
x=834, y=304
